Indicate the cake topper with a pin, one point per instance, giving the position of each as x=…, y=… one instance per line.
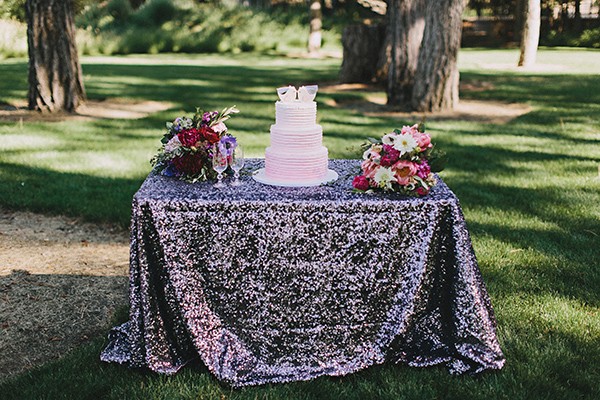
x=305, y=94
x=287, y=94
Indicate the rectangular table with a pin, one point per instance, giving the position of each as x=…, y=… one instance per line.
x=271, y=284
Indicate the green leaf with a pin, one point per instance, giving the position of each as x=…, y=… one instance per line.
x=438, y=160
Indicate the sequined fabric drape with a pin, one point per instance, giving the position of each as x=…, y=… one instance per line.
x=270, y=284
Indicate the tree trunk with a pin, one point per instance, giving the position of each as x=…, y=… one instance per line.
x=316, y=22
x=361, y=49
x=425, y=39
x=531, y=33
x=406, y=24
x=577, y=18
x=436, y=79
x=519, y=19
x=55, y=77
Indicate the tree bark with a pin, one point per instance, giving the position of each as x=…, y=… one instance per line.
x=577, y=18
x=316, y=22
x=531, y=33
x=361, y=50
x=406, y=24
x=55, y=77
x=425, y=39
x=437, y=77
x=520, y=6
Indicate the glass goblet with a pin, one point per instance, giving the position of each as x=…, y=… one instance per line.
x=219, y=163
x=236, y=161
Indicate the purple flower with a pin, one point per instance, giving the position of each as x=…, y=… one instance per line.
x=170, y=170
x=208, y=116
x=227, y=144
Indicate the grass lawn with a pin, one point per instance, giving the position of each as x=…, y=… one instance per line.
x=529, y=188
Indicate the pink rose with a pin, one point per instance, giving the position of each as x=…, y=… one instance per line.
x=219, y=128
x=410, y=129
x=369, y=168
x=423, y=140
x=360, y=182
x=404, y=170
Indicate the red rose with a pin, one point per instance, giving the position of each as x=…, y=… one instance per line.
x=421, y=191
x=360, y=182
x=387, y=161
x=189, y=137
x=391, y=152
x=190, y=164
x=210, y=135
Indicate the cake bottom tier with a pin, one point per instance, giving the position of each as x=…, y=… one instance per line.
x=297, y=166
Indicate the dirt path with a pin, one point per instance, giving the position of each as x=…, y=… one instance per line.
x=61, y=282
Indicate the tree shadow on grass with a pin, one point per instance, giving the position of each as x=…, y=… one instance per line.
x=94, y=198
x=211, y=86
x=523, y=127
x=556, y=90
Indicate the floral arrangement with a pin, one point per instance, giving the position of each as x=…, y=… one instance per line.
x=189, y=145
x=402, y=161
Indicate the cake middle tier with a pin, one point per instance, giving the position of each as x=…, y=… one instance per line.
x=297, y=139
x=296, y=166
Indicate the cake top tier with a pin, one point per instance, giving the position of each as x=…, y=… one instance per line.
x=305, y=94
x=296, y=105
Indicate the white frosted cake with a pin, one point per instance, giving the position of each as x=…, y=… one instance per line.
x=296, y=155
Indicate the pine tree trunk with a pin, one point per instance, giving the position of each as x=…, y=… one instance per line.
x=316, y=22
x=577, y=23
x=531, y=33
x=406, y=23
x=520, y=6
x=361, y=49
x=55, y=77
x=425, y=39
x=436, y=78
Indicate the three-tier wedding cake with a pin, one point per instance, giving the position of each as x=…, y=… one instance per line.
x=296, y=155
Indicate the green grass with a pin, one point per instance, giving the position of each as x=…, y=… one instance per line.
x=529, y=189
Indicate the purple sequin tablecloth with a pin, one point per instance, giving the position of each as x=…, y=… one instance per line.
x=271, y=284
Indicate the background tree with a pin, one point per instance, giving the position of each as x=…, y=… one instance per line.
x=425, y=39
x=316, y=23
x=530, y=35
x=55, y=77
x=406, y=24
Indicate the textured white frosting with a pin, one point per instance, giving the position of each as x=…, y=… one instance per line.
x=296, y=153
x=295, y=114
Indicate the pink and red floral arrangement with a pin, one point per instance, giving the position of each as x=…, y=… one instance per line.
x=403, y=161
x=189, y=144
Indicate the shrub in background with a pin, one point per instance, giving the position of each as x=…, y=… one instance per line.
x=155, y=12
x=120, y=10
x=158, y=26
x=589, y=38
x=13, y=39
